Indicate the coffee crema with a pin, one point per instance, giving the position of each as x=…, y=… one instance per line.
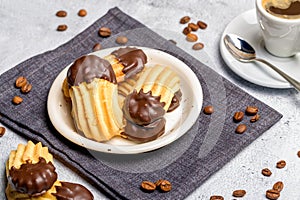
x=286, y=9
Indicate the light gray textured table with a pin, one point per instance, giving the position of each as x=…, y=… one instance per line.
x=28, y=28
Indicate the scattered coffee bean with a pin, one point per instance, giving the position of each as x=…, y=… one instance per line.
x=62, y=27
x=251, y=110
x=82, y=13
x=26, y=88
x=61, y=13
x=148, y=186
x=173, y=41
x=216, y=197
x=21, y=81
x=191, y=37
x=202, y=25
x=104, y=32
x=241, y=128
x=2, y=131
x=278, y=186
x=298, y=154
x=165, y=186
x=208, y=110
x=238, y=116
x=198, y=46
x=239, y=193
x=185, y=20
x=121, y=40
x=193, y=26
x=266, y=172
x=272, y=194
x=97, y=47
x=157, y=183
x=17, y=100
x=186, y=30
x=281, y=164
x=255, y=118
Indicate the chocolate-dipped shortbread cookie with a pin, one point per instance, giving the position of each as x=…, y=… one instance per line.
x=156, y=92
x=32, y=176
x=94, y=96
x=127, y=62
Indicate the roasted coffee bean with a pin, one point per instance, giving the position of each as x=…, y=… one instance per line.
x=121, y=40
x=26, y=88
x=21, y=81
x=61, y=13
x=62, y=27
x=148, y=186
x=281, y=164
x=82, y=13
x=202, y=25
x=278, y=186
x=186, y=30
x=255, y=118
x=238, y=116
x=208, y=110
x=191, y=37
x=157, y=183
x=97, y=47
x=185, y=20
x=239, y=193
x=2, y=131
x=272, y=194
x=266, y=172
x=251, y=110
x=104, y=32
x=198, y=46
x=17, y=100
x=241, y=128
x=298, y=154
x=193, y=26
x=216, y=197
x=165, y=186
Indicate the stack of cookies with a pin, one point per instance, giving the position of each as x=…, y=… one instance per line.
x=31, y=176
x=119, y=95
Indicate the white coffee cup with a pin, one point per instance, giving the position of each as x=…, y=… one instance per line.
x=281, y=36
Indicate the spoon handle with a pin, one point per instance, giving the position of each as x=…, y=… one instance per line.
x=292, y=81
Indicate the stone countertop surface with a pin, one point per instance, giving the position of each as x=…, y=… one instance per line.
x=28, y=28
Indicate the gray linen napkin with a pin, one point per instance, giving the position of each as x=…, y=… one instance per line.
x=186, y=163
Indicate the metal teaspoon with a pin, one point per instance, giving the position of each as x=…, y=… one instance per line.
x=244, y=52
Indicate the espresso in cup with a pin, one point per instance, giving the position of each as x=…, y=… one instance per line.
x=279, y=22
x=286, y=9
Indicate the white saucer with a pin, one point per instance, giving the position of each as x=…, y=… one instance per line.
x=246, y=26
x=178, y=122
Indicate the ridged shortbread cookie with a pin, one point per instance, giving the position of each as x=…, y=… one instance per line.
x=93, y=91
x=126, y=62
x=31, y=176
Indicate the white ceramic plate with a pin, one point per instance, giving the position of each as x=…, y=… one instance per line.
x=246, y=26
x=178, y=122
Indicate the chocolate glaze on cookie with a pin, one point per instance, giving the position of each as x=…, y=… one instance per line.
x=86, y=68
x=133, y=60
x=72, y=191
x=145, y=116
x=144, y=133
x=175, y=101
x=33, y=179
x=143, y=108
